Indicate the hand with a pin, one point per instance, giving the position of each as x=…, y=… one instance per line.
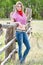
x=21, y=27
x=20, y=24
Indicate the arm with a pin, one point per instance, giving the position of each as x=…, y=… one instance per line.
x=13, y=20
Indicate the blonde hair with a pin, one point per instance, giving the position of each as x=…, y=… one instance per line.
x=19, y=2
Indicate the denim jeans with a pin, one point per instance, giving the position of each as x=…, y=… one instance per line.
x=22, y=37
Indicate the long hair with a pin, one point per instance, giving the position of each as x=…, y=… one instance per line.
x=19, y=2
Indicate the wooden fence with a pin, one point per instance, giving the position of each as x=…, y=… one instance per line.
x=10, y=43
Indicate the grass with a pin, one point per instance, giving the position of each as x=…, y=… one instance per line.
x=35, y=56
x=2, y=38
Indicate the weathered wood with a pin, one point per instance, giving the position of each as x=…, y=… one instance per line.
x=8, y=25
x=28, y=13
x=0, y=61
x=1, y=31
x=10, y=33
x=9, y=56
x=8, y=37
x=6, y=46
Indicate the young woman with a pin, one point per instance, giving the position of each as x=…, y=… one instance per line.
x=19, y=17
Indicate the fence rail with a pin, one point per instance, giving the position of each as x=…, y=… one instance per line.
x=8, y=57
x=6, y=46
x=8, y=25
x=10, y=42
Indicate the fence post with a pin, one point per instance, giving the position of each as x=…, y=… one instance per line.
x=8, y=37
x=28, y=13
x=10, y=34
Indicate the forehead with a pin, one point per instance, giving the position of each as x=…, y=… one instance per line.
x=19, y=4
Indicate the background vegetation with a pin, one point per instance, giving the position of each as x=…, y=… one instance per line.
x=6, y=7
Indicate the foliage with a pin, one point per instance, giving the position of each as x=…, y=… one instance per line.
x=6, y=7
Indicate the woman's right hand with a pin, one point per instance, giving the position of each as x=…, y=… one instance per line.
x=22, y=27
x=20, y=24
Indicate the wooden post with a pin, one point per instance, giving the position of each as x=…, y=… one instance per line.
x=8, y=37
x=28, y=13
x=10, y=34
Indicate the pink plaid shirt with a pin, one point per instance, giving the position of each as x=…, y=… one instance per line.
x=19, y=18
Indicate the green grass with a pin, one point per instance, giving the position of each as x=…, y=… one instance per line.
x=2, y=38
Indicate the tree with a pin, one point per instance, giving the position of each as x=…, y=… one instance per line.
x=6, y=7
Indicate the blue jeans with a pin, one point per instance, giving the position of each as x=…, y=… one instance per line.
x=22, y=37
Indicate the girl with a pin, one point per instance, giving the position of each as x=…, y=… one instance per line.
x=19, y=17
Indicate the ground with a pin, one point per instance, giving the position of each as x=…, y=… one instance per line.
x=35, y=56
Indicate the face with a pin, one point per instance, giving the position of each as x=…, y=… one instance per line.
x=19, y=7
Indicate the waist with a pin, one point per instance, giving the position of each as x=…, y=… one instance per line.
x=20, y=30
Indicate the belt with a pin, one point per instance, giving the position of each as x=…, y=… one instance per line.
x=20, y=30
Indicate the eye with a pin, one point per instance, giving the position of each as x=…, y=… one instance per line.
x=19, y=6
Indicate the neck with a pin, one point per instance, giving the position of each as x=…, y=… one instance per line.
x=20, y=12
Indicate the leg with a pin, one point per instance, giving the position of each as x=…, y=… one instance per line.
x=19, y=37
x=26, y=42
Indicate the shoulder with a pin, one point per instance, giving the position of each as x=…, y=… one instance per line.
x=13, y=14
